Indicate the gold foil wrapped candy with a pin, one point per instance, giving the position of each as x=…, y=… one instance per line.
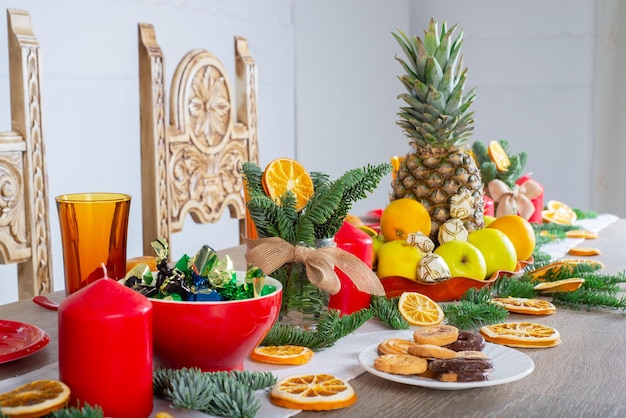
x=431, y=268
x=461, y=206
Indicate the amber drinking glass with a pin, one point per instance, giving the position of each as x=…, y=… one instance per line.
x=94, y=231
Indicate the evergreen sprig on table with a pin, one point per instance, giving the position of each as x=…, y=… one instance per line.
x=488, y=168
x=228, y=394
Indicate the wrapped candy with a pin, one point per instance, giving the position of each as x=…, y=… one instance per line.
x=431, y=268
x=461, y=206
x=203, y=277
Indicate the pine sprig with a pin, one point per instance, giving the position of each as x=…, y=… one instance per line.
x=588, y=299
x=488, y=168
x=517, y=287
x=217, y=393
x=386, y=309
x=330, y=328
x=86, y=411
x=468, y=315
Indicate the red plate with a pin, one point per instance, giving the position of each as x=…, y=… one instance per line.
x=446, y=290
x=18, y=340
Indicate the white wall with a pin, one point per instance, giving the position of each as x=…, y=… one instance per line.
x=327, y=87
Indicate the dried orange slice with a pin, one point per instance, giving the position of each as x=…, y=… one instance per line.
x=282, y=354
x=561, y=212
x=581, y=233
x=565, y=285
x=553, y=268
x=284, y=174
x=584, y=251
x=499, y=156
x=35, y=399
x=419, y=309
x=525, y=305
x=313, y=392
x=577, y=261
x=549, y=216
x=521, y=334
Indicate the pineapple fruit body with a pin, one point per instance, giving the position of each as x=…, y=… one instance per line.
x=432, y=176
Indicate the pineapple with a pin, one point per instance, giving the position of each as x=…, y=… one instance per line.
x=436, y=119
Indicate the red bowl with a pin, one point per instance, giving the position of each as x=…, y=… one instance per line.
x=445, y=290
x=212, y=336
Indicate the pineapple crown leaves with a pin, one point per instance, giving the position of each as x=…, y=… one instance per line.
x=323, y=214
x=488, y=169
x=437, y=112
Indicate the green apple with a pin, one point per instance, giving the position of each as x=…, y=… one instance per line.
x=398, y=258
x=463, y=259
x=497, y=249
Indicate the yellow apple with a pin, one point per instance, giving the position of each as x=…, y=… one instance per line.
x=488, y=219
x=497, y=249
x=398, y=258
x=463, y=259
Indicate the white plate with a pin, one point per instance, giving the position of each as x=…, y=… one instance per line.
x=509, y=365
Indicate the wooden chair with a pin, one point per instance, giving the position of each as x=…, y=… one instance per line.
x=24, y=221
x=191, y=163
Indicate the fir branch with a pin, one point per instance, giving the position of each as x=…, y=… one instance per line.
x=357, y=183
x=85, y=411
x=604, y=282
x=330, y=328
x=216, y=393
x=517, y=287
x=588, y=299
x=585, y=214
x=467, y=315
x=387, y=311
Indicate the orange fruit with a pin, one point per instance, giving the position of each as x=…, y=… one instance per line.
x=499, y=156
x=403, y=216
x=419, y=309
x=313, y=392
x=35, y=399
x=284, y=174
x=282, y=354
x=520, y=232
x=581, y=233
x=565, y=285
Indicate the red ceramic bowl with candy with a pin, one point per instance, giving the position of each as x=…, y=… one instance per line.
x=212, y=335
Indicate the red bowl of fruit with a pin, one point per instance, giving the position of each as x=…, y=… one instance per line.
x=212, y=336
x=446, y=290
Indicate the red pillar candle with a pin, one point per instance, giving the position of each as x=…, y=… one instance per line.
x=105, y=349
x=350, y=299
x=536, y=217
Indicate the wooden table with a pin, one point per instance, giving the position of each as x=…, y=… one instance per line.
x=585, y=376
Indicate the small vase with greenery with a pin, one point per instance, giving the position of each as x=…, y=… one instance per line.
x=313, y=226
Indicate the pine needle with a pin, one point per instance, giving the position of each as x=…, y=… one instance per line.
x=85, y=411
x=468, y=315
x=588, y=299
x=386, y=309
x=330, y=328
x=217, y=393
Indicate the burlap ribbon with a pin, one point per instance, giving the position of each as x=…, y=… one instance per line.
x=270, y=253
x=514, y=201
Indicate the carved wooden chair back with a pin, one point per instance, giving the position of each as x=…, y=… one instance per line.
x=191, y=163
x=24, y=220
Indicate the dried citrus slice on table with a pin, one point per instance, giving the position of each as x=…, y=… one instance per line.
x=558, y=212
x=419, y=309
x=35, y=399
x=285, y=174
x=584, y=251
x=499, y=156
x=282, y=354
x=581, y=233
x=313, y=392
x=525, y=305
x=521, y=334
x=565, y=285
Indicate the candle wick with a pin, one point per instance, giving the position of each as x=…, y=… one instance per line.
x=104, y=269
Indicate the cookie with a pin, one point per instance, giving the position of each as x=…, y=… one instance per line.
x=436, y=335
x=403, y=364
x=431, y=351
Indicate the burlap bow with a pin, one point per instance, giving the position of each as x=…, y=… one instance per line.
x=270, y=253
x=515, y=201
